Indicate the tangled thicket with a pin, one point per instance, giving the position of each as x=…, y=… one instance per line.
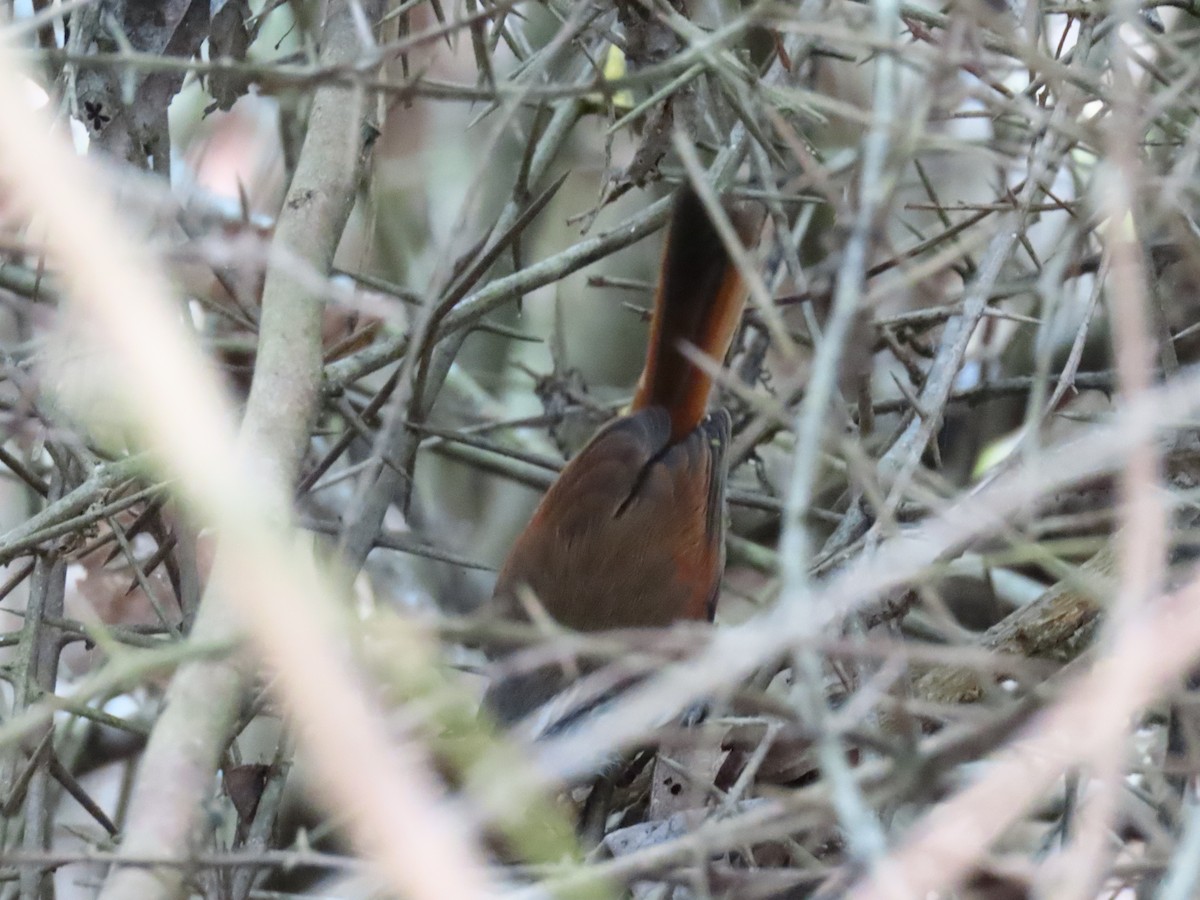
x=955, y=643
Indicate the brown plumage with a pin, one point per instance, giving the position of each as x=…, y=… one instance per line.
x=631, y=534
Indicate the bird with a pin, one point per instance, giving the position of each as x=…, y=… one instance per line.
x=631, y=534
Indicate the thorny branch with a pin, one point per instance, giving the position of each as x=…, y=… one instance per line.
x=966, y=376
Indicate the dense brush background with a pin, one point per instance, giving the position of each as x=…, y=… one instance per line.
x=953, y=653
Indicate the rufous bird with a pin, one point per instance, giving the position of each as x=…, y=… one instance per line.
x=632, y=534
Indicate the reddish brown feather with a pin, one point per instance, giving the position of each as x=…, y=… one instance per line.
x=698, y=302
x=631, y=534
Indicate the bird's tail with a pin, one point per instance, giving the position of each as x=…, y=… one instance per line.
x=699, y=302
